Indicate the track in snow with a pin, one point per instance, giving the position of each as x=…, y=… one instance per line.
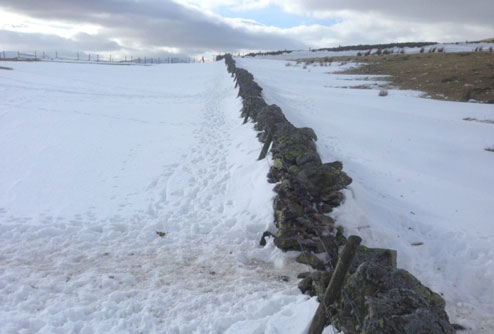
x=93, y=169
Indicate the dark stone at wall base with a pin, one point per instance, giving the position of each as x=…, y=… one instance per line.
x=378, y=256
x=386, y=299
x=390, y=301
x=305, y=285
x=315, y=283
x=308, y=158
x=310, y=259
x=323, y=180
x=264, y=236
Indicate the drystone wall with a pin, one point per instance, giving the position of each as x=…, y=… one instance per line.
x=379, y=297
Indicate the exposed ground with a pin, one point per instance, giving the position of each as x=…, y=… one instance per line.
x=444, y=76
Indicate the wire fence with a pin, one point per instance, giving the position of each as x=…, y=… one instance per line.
x=94, y=58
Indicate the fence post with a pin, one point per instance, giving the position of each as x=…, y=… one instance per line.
x=334, y=287
x=246, y=118
x=265, y=148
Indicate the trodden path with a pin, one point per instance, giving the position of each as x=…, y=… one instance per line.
x=92, y=169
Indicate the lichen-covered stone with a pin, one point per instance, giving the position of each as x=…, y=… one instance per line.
x=379, y=256
x=325, y=208
x=252, y=105
x=372, y=287
x=332, y=199
x=310, y=259
x=327, y=244
x=315, y=283
x=325, y=179
x=404, y=311
x=387, y=300
x=291, y=143
x=305, y=285
x=287, y=240
x=270, y=118
x=320, y=282
x=309, y=157
x=309, y=133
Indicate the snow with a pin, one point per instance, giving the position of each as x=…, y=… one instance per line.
x=420, y=175
x=95, y=161
x=447, y=47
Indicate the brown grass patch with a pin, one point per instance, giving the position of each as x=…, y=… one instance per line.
x=444, y=76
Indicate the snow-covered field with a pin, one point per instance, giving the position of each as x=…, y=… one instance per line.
x=447, y=47
x=95, y=160
x=423, y=183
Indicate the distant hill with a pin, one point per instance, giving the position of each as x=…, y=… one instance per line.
x=377, y=46
x=359, y=47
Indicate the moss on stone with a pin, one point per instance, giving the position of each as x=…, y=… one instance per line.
x=278, y=164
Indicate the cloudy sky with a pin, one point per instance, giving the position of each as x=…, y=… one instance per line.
x=196, y=27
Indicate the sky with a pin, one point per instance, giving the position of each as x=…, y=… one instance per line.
x=202, y=27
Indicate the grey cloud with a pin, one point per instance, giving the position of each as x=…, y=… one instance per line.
x=153, y=23
x=474, y=12
x=14, y=40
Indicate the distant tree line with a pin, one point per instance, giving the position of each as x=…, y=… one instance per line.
x=269, y=53
x=348, y=47
x=377, y=46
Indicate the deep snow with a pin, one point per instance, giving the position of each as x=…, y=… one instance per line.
x=95, y=161
x=421, y=175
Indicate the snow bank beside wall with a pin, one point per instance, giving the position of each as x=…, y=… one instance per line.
x=95, y=161
x=382, y=298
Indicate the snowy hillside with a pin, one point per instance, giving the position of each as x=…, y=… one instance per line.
x=422, y=179
x=446, y=47
x=131, y=201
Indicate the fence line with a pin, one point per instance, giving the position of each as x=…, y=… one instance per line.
x=94, y=58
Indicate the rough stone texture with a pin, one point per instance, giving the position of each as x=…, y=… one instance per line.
x=324, y=180
x=387, y=300
x=310, y=259
x=315, y=283
x=379, y=256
